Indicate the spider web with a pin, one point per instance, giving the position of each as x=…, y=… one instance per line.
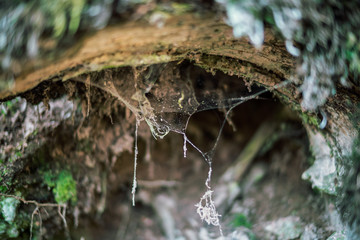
x=165, y=96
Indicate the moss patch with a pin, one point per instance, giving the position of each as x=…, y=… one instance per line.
x=240, y=220
x=63, y=185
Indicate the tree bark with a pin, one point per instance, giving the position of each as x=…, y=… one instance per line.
x=207, y=42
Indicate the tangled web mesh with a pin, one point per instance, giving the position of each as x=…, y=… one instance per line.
x=165, y=96
x=206, y=209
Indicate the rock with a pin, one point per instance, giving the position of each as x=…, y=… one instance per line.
x=337, y=236
x=286, y=228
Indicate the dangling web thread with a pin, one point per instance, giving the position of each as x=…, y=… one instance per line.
x=206, y=206
x=136, y=151
x=184, y=146
x=165, y=99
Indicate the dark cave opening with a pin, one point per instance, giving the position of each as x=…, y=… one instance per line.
x=95, y=143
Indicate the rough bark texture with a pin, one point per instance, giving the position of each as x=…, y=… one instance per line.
x=206, y=41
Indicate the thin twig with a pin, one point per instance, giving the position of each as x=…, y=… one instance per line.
x=40, y=227
x=37, y=211
x=62, y=215
x=37, y=204
x=32, y=221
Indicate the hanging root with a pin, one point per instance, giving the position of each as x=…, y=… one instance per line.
x=36, y=211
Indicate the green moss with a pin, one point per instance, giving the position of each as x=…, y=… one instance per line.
x=269, y=18
x=18, y=153
x=240, y=220
x=181, y=8
x=9, y=107
x=12, y=231
x=65, y=189
x=2, y=227
x=6, y=178
x=311, y=159
x=9, y=230
x=309, y=119
x=3, y=188
x=36, y=131
x=63, y=185
x=4, y=171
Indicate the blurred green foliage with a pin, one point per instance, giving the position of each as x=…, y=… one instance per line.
x=323, y=34
x=58, y=10
x=63, y=185
x=240, y=220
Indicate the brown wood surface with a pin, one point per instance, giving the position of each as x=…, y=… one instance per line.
x=209, y=43
x=182, y=37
